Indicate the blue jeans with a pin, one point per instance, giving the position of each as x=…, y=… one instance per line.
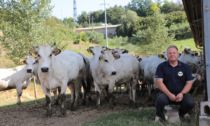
x=187, y=104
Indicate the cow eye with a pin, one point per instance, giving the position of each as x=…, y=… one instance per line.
x=38, y=55
x=106, y=61
x=50, y=55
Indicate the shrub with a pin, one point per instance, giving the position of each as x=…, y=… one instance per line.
x=95, y=37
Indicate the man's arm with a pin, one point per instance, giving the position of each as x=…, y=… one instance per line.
x=164, y=89
x=185, y=90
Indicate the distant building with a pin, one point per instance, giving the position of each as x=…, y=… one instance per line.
x=111, y=30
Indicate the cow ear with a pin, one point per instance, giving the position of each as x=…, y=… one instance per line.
x=116, y=56
x=56, y=51
x=90, y=51
x=33, y=53
x=22, y=61
x=101, y=58
x=196, y=54
x=139, y=59
x=125, y=51
x=161, y=56
x=186, y=51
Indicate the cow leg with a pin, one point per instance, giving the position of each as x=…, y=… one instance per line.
x=72, y=89
x=77, y=91
x=48, y=101
x=62, y=99
x=19, y=93
x=55, y=97
x=98, y=91
x=134, y=83
x=110, y=95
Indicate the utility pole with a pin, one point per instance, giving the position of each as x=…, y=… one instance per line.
x=89, y=19
x=75, y=10
x=105, y=24
x=92, y=23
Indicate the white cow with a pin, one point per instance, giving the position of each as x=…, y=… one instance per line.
x=148, y=66
x=120, y=51
x=103, y=73
x=127, y=68
x=17, y=77
x=32, y=67
x=57, y=69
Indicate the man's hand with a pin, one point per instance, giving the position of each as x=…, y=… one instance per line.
x=172, y=97
x=179, y=97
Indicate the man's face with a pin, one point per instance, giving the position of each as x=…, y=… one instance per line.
x=172, y=54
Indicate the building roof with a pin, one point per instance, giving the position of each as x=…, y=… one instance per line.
x=194, y=10
x=98, y=27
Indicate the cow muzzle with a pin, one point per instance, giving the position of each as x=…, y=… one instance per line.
x=29, y=70
x=45, y=69
x=114, y=73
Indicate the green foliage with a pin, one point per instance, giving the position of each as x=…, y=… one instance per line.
x=23, y=26
x=156, y=36
x=141, y=7
x=114, y=15
x=69, y=22
x=176, y=17
x=129, y=24
x=181, y=30
x=83, y=19
x=95, y=37
x=83, y=36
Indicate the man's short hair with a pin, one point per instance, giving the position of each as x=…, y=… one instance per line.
x=172, y=46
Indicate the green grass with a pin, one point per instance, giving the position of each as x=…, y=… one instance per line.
x=135, y=118
x=186, y=43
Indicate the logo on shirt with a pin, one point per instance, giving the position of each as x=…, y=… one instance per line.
x=180, y=73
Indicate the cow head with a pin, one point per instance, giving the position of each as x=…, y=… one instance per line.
x=45, y=54
x=107, y=59
x=190, y=57
x=31, y=64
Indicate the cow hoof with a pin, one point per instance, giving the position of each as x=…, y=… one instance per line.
x=49, y=113
x=83, y=102
x=98, y=107
x=56, y=102
x=106, y=98
x=111, y=106
x=63, y=113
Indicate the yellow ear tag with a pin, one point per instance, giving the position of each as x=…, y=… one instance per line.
x=22, y=63
x=100, y=59
x=161, y=58
x=89, y=52
x=33, y=54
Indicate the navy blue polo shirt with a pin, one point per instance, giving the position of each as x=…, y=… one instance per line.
x=174, y=78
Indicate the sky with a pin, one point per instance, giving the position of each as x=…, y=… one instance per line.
x=64, y=8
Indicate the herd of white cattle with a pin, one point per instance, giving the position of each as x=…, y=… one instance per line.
x=103, y=71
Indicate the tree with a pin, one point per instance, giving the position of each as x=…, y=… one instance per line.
x=69, y=22
x=167, y=7
x=24, y=25
x=83, y=18
x=129, y=24
x=114, y=15
x=141, y=7
x=156, y=36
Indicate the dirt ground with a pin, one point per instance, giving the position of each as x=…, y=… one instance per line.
x=35, y=114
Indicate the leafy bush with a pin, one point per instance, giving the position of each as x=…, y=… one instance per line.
x=175, y=17
x=181, y=30
x=95, y=37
